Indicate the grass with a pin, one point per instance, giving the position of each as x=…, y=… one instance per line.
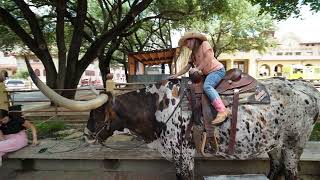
x=48, y=128
x=315, y=135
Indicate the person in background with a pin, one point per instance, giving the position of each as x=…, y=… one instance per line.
x=202, y=57
x=12, y=132
x=4, y=100
x=110, y=84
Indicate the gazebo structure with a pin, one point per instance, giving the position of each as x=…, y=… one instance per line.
x=139, y=61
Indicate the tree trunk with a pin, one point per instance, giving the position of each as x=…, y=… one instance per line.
x=104, y=69
x=71, y=84
x=61, y=9
x=51, y=77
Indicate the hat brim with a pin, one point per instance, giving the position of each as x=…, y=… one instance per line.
x=189, y=35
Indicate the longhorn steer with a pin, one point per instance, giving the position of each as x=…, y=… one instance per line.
x=280, y=128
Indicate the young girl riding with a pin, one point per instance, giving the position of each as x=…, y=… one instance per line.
x=202, y=57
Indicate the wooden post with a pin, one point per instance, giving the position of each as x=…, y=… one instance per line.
x=132, y=65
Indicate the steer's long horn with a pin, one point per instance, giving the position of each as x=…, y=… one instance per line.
x=62, y=101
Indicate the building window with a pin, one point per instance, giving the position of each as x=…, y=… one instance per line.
x=278, y=70
x=264, y=70
x=288, y=53
x=279, y=53
x=89, y=73
x=37, y=72
x=298, y=53
x=309, y=53
x=239, y=65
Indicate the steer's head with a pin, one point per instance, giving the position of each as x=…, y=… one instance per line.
x=103, y=121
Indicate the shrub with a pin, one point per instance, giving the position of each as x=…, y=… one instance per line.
x=47, y=129
x=315, y=135
x=22, y=74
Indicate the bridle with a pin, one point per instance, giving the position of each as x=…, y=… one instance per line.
x=106, y=125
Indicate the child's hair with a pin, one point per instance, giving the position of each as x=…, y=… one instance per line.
x=197, y=44
x=3, y=113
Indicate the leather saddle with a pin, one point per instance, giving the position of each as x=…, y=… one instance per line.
x=234, y=89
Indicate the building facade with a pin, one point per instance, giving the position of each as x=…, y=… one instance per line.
x=11, y=64
x=292, y=58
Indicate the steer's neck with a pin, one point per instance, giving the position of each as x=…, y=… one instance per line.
x=137, y=110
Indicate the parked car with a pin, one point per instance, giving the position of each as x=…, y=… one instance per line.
x=15, y=84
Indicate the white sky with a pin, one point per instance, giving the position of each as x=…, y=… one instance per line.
x=306, y=27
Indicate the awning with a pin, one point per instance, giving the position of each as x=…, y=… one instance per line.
x=155, y=57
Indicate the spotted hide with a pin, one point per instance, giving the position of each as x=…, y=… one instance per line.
x=280, y=129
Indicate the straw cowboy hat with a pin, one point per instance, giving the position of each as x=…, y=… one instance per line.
x=192, y=34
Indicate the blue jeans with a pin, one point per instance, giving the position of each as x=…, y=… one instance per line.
x=211, y=81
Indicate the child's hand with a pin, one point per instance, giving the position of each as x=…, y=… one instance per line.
x=1, y=136
x=173, y=77
x=35, y=142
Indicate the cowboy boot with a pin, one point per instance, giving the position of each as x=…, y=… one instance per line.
x=221, y=117
x=223, y=112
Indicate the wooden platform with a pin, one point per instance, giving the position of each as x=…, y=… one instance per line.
x=237, y=177
x=72, y=156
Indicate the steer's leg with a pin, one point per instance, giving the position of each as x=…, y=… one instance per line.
x=276, y=163
x=291, y=159
x=291, y=153
x=184, y=171
x=184, y=162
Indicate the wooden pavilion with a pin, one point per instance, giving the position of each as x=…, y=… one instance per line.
x=137, y=62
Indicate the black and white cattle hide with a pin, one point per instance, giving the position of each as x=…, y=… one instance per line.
x=280, y=128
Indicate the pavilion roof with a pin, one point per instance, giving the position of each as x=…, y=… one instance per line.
x=154, y=57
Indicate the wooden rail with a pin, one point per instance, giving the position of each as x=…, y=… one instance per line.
x=120, y=88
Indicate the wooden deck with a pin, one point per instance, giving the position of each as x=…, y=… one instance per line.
x=72, y=156
x=78, y=149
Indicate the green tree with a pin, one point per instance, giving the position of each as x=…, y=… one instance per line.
x=81, y=31
x=42, y=24
x=242, y=28
x=283, y=9
x=23, y=74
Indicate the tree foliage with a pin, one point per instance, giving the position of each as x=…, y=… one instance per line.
x=283, y=9
x=80, y=31
x=69, y=26
x=241, y=28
